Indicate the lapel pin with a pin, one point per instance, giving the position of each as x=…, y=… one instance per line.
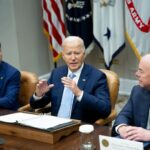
x=83, y=79
x=1, y=78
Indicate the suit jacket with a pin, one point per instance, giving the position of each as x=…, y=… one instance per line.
x=136, y=111
x=95, y=102
x=9, y=86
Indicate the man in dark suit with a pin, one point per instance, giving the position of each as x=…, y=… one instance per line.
x=91, y=99
x=133, y=122
x=9, y=85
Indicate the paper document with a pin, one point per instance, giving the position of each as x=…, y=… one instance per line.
x=112, y=143
x=33, y=120
x=16, y=117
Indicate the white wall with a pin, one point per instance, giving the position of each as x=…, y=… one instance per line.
x=23, y=43
x=8, y=37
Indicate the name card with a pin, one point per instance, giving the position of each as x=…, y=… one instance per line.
x=112, y=143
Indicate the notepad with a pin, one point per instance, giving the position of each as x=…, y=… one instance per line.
x=40, y=121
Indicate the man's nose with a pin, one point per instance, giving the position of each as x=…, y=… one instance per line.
x=137, y=74
x=73, y=56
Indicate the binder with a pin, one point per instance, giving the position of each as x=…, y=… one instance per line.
x=24, y=125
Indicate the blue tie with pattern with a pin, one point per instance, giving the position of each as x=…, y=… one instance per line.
x=67, y=101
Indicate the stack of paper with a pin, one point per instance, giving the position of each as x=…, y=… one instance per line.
x=37, y=121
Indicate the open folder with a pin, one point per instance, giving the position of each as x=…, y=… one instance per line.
x=39, y=121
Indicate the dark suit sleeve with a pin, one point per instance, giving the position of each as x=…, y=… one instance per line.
x=96, y=99
x=10, y=91
x=126, y=115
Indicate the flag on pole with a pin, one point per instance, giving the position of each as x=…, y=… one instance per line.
x=53, y=23
x=79, y=21
x=108, y=27
x=137, y=17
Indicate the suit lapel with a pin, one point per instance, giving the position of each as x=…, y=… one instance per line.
x=2, y=76
x=145, y=104
x=83, y=77
x=82, y=81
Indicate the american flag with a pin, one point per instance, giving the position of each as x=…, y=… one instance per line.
x=54, y=26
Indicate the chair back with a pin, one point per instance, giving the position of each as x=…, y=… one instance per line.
x=27, y=87
x=113, y=85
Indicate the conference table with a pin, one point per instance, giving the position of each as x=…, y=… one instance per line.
x=71, y=142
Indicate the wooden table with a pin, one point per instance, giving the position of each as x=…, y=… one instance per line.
x=71, y=142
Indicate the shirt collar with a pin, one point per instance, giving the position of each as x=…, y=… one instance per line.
x=78, y=72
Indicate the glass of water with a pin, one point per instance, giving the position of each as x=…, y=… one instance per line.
x=86, y=137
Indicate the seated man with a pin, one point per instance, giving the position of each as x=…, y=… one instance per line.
x=9, y=85
x=90, y=98
x=133, y=122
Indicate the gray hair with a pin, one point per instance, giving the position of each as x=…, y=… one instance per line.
x=73, y=39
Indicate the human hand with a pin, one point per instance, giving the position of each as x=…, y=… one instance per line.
x=134, y=133
x=72, y=85
x=122, y=131
x=42, y=87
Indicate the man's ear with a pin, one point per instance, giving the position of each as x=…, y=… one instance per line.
x=84, y=54
x=62, y=55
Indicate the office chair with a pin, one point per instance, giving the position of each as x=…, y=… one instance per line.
x=27, y=87
x=113, y=85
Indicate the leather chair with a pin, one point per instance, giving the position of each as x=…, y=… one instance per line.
x=27, y=87
x=113, y=85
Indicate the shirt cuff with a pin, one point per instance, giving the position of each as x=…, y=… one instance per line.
x=117, y=127
x=80, y=97
x=36, y=97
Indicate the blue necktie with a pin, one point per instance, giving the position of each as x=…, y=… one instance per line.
x=67, y=101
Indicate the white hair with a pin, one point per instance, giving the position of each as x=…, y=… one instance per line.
x=74, y=39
